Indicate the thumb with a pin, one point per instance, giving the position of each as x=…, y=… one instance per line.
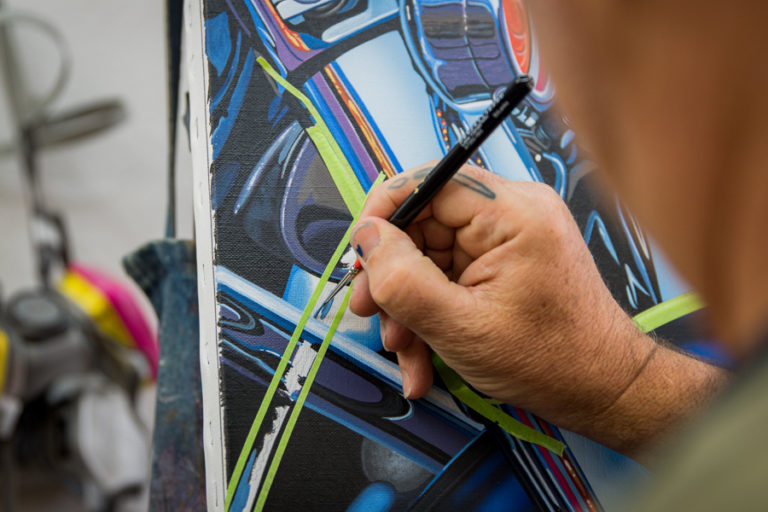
x=405, y=283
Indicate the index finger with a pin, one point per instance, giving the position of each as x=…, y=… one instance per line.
x=384, y=198
x=468, y=192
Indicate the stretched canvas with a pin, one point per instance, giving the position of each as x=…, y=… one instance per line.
x=298, y=107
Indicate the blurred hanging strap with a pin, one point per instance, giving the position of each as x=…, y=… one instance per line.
x=173, y=51
x=166, y=272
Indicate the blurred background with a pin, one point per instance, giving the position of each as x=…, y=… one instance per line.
x=110, y=190
x=111, y=187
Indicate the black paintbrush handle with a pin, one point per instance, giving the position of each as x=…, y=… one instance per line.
x=461, y=152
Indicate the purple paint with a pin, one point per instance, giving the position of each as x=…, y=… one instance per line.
x=270, y=340
x=237, y=17
x=428, y=426
x=346, y=126
x=290, y=57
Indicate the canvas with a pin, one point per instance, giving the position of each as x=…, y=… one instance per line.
x=298, y=107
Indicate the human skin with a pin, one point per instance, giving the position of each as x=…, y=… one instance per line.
x=669, y=97
x=495, y=277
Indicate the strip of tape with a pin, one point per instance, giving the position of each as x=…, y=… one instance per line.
x=342, y=173
x=483, y=407
x=310, y=379
x=668, y=311
x=277, y=377
x=245, y=452
x=650, y=319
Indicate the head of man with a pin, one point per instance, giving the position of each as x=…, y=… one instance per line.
x=669, y=98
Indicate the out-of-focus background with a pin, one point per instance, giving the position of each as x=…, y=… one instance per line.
x=111, y=187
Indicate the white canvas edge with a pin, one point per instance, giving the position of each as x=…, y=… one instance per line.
x=213, y=437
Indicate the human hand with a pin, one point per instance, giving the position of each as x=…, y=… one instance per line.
x=495, y=277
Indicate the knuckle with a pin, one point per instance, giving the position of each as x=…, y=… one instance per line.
x=552, y=208
x=546, y=194
x=377, y=193
x=478, y=173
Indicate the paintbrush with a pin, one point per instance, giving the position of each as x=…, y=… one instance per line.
x=442, y=173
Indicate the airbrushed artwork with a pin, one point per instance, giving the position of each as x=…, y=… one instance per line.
x=310, y=102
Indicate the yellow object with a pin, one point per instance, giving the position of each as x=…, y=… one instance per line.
x=668, y=311
x=4, y=351
x=91, y=300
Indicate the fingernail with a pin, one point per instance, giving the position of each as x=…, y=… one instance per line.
x=406, y=383
x=364, y=239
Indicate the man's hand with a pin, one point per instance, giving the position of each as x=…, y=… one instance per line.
x=495, y=277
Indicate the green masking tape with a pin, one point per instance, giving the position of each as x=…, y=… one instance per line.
x=283, y=364
x=291, y=424
x=352, y=194
x=648, y=320
x=279, y=372
x=483, y=407
x=342, y=173
x=668, y=311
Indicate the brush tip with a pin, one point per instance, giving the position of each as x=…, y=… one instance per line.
x=324, y=309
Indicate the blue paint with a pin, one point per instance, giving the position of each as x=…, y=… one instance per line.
x=252, y=357
x=359, y=250
x=273, y=110
x=567, y=138
x=574, y=154
x=521, y=149
x=230, y=75
x=377, y=12
x=372, y=432
x=322, y=313
x=296, y=20
x=560, y=172
x=363, y=331
x=277, y=117
x=596, y=221
x=374, y=127
x=710, y=350
x=269, y=46
x=267, y=38
x=671, y=284
x=648, y=287
x=488, y=485
x=222, y=131
x=288, y=135
x=222, y=182
x=377, y=497
x=312, y=42
x=474, y=107
x=407, y=128
x=217, y=41
x=240, y=498
x=338, y=134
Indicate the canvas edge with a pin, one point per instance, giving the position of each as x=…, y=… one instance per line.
x=213, y=442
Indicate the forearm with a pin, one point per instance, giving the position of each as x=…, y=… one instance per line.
x=669, y=388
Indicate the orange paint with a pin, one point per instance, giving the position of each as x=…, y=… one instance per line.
x=362, y=123
x=519, y=32
x=293, y=38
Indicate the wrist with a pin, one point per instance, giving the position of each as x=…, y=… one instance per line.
x=668, y=388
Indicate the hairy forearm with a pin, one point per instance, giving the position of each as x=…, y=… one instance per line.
x=669, y=388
